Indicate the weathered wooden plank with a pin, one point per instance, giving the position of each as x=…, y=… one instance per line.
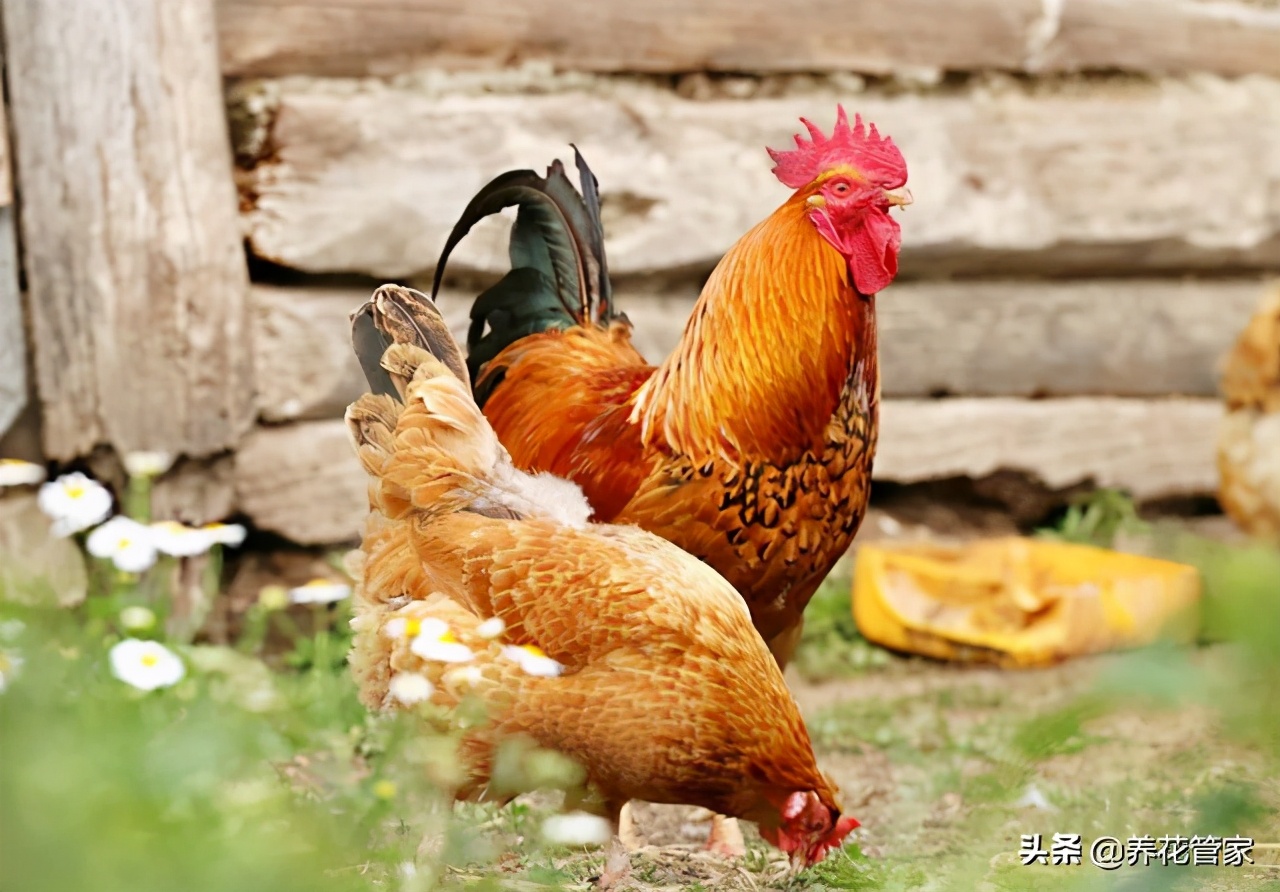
x=347, y=37
x=303, y=362
x=1092, y=178
x=1117, y=337
x=1158, y=36
x=274, y=37
x=6, y=161
x=1154, y=448
x=13, y=345
x=136, y=272
x=302, y=481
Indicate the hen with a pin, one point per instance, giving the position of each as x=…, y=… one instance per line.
x=645, y=666
x=751, y=445
x=1249, y=438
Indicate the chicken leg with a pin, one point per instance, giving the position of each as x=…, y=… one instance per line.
x=726, y=837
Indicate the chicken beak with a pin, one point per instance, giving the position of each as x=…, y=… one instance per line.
x=899, y=199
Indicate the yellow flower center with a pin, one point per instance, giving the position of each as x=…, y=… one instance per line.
x=384, y=789
x=448, y=638
x=123, y=543
x=533, y=649
x=412, y=626
x=75, y=491
x=149, y=660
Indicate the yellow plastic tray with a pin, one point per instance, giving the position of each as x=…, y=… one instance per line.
x=1019, y=602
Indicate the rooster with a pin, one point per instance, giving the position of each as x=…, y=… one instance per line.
x=646, y=668
x=751, y=446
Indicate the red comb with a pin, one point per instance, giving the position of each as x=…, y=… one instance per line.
x=875, y=157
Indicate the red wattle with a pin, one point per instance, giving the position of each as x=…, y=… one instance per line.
x=872, y=251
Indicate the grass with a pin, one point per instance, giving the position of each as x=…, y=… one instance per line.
x=831, y=646
x=261, y=770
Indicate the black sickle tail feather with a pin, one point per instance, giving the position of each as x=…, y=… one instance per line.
x=396, y=315
x=558, y=278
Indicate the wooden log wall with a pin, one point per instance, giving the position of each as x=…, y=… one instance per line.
x=1097, y=189
x=136, y=278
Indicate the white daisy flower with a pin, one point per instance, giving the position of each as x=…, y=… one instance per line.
x=180, y=540
x=491, y=628
x=399, y=627
x=148, y=464
x=442, y=646
x=75, y=502
x=15, y=472
x=410, y=688
x=129, y=544
x=532, y=660
x=137, y=618
x=319, y=591
x=576, y=828
x=146, y=665
x=229, y=534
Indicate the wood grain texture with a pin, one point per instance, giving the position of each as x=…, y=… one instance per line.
x=1089, y=178
x=6, y=160
x=136, y=274
x=1119, y=337
x=303, y=481
x=13, y=346
x=304, y=365
x=1153, y=448
x=347, y=37
x=14, y=391
x=1160, y=36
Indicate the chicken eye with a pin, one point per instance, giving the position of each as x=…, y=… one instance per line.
x=840, y=188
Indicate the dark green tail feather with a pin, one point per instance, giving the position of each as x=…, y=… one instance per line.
x=559, y=277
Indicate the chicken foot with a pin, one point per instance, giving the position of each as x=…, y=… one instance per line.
x=726, y=837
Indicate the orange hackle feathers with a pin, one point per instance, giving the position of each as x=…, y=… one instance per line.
x=765, y=355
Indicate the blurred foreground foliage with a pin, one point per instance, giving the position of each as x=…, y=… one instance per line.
x=236, y=778
x=239, y=777
x=258, y=769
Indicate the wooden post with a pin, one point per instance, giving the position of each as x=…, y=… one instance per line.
x=13, y=347
x=137, y=282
